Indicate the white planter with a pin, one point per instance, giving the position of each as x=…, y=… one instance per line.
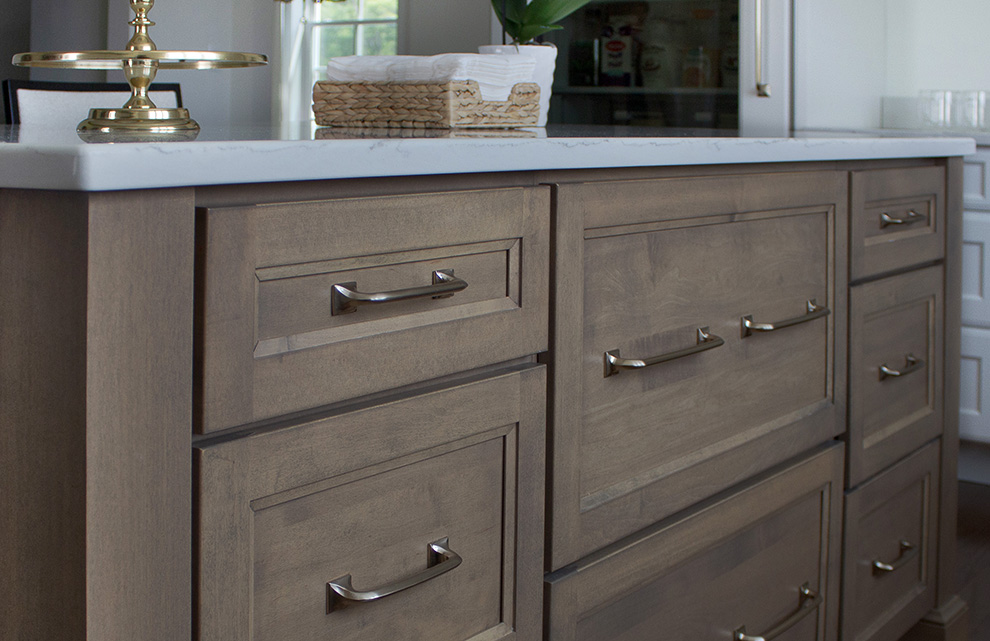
x=546, y=60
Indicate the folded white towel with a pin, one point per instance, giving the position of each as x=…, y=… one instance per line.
x=495, y=75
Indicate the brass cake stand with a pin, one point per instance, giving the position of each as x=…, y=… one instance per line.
x=139, y=118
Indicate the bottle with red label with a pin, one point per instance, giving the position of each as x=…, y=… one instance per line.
x=618, y=55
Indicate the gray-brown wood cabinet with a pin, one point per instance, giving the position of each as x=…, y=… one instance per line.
x=654, y=267
x=598, y=405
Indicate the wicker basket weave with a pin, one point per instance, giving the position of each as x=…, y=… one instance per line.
x=456, y=103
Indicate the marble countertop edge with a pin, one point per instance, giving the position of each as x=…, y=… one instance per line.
x=82, y=167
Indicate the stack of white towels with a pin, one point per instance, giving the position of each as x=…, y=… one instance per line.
x=495, y=74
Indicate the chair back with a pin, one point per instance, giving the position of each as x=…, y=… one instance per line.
x=66, y=104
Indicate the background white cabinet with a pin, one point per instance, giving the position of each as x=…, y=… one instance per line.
x=849, y=53
x=974, y=405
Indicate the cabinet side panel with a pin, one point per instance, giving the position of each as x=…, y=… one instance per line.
x=139, y=409
x=42, y=415
x=950, y=431
x=949, y=619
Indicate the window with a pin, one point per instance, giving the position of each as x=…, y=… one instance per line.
x=313, y=32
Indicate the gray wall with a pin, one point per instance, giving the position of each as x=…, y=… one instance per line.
x=216, y=98
x=15, y=32
x=75, y=25
x=220, y=98
x=444, y=26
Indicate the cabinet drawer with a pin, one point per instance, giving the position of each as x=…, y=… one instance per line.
x=377, y=499
x=738, y=562
x=706, y=413
x=890, y=549
x=283, y=321
x=895, y=364
x=897, y=219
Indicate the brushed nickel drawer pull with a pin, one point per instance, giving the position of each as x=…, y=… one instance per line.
x=912, y=217
x=911, y=364
x=614, y=363
x=908, y=552
x=344, y=299
x=440, y=560
x=809, y=600
x=814, y=312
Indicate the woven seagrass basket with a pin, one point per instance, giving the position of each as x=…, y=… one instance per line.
x=456, y=103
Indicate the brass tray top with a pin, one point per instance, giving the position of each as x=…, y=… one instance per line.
x=115, y=59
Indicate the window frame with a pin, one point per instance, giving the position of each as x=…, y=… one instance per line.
x=298, y=69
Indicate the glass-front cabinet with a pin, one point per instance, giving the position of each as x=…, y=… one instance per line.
x=700, y=64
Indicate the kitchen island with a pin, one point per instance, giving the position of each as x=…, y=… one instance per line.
x=247, y=381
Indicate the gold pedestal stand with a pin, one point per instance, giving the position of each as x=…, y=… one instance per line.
x=139, y=119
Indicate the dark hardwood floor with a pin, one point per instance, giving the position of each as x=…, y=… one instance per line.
x=973, y=556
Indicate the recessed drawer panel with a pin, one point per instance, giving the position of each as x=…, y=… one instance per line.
x=895, y=361
x=761, y=560
x=709, y=353
x=417, y=519
x=890, y=549
x=308, y=304
x=897, y=219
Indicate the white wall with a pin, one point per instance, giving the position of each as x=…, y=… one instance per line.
x=839, y=63
x=849, y=53
x=937, y=45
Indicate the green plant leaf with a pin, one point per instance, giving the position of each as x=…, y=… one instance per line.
x=529, y=32
x=524, y=22
x=514, y=10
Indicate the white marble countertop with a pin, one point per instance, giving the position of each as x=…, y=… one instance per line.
x=49, y=159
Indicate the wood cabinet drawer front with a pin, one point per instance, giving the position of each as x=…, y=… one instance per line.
x=890, y=549
x=898, y=219
x=652, y=441
x=738, y=562
x=358, y=499
x=283, y=324
x=895, y=366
